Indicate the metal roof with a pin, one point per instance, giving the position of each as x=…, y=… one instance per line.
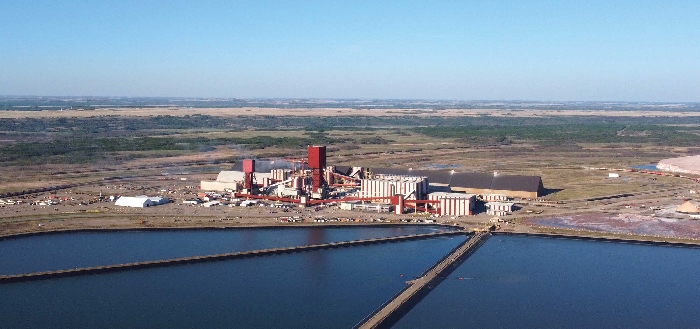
x=231, y=176
x=516, y=183
x=434, y=176
x=391, y=171
x=265, y=166
x=471, y=180
x=345, y=170
x=452, y=195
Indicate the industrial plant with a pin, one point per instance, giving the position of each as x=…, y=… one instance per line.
x=313, y=182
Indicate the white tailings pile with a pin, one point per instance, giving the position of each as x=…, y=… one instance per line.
x=686, y=165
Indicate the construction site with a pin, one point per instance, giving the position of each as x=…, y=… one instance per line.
x=313, y=182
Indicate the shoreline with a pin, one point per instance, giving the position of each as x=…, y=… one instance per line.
x=264, y=226
x=612, y=238
x=516, y=229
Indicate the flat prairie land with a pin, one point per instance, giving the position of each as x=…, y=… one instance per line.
x=315, y=112
x=168, y=150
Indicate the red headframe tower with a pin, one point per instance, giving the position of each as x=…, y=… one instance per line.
x=317, y=164
x=248, y=169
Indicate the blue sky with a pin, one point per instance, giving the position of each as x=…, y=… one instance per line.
x=466, y=50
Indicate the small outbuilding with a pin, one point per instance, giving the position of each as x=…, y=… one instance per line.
x=211, y=203
x=499, y=208
x=141, y=201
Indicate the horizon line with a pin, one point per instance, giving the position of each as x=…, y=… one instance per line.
x=348, y=99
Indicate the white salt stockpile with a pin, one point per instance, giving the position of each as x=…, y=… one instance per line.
x=687, y=165
x=688, y=207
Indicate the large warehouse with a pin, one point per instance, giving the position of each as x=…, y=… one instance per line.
x=412, y=187
x=511, y=185
x=312, y=182
x=514, y=186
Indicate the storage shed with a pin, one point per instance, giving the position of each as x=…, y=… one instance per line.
x=140, y=201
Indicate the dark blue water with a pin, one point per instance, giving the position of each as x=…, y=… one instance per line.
x=528, y=282
x=318, y=289
x=647, y=167
x=83, y=249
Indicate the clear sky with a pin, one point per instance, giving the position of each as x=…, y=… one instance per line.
x=590, y=50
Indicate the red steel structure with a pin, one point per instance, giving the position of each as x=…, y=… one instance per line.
x=317, y=164
x=248, y=169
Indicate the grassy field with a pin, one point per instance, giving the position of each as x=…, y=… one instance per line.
x=556, y=146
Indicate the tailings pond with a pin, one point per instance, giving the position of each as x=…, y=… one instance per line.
x=511, y=281
x=334, y=288
x=65, y=250
x=533, y=282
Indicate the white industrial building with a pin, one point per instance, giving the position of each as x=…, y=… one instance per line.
x=350, y=205
x=378, y=207
x=230, y=180
x=453, y=204
x=499, y=208
x=411, y=187
x=140, y=201
x=494, y=197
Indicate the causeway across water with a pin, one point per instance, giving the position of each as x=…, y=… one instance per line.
x=392, y=311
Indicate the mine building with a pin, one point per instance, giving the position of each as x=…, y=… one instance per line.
x=499, y=208
x=411, y=187
x=313, y=182
x=514, y=186
x=498, y=187
x=453, y=204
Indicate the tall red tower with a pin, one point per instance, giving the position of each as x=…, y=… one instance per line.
x=248, y=169
x=317, y=164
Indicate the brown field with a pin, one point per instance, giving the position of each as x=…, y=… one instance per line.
x=565, y=170
x=334, y=112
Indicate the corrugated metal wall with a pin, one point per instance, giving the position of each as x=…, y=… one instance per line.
x=390, y=186
x=454, y=204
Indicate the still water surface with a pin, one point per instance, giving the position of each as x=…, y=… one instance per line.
x=83, y=249
x=511, y=281
x=333, y=288
x=529, y=282
x=647, y=167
